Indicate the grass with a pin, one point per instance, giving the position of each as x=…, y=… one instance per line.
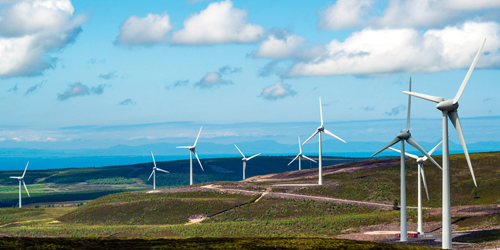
x=273, y=209
x=383, y=184
x=154, y=208
x=322, y=226
x=195, y=243
x=466, y=223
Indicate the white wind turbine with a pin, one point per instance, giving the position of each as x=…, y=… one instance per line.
x=154, y=171
x=449, y=108
x=319, y=130
x=405, y=136
x=300, y=155
x=421, y=173
x=191, y=152
x=21, y=179
x=245, y=160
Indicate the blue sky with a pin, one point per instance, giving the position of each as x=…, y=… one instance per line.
x=115, y=65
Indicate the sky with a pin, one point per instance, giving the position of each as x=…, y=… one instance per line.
x=93, y=74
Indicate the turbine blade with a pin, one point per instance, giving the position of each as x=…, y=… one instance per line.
x=25, y=169
x=198, y=160
x=197, y=137
x=151, y=174
x=321, y=111
x=431, y=98
x=14, y=177
x=239, y=150
x=425, y=182
x=316, y=132
x=407, y=154
x=294, y=159
x=412, y=142
x=300, y=147
x=409, y=109
x=396, y=140
x=436, y=147
x=253, y=156
x=26, y=189
x=456, y=123
x=466, y=79
x=309, y=158
x=183, y=147
x=153, y=158
x=162, y=170
x=330, y=133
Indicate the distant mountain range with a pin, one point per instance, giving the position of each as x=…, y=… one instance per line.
x=266, y=147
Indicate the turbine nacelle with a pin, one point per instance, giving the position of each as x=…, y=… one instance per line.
x=447, y=105
x=321, y=128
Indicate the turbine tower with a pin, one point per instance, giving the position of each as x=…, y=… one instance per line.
x=449, y=108
x=245, y=160
x=154, y=171
x=319, y=130
x=21, y=179
x=405, y=136
x=421, y=173
x=191, y=152
x=300, y=155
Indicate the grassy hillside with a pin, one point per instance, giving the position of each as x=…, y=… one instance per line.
x=153, y=208
x=90, y=183
x=383, y=184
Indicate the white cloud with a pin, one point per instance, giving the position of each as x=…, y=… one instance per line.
x=405, y=50
x=79, y=89
x=277, y=91
x=344, y=14
x=218, y=23
x=30, y=30
x=279, y=45
x=144, y=30
x=212, y=79
x=472, y=5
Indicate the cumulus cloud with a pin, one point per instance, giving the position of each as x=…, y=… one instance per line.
x=228, y=70
x=181, y=83
x=108, y=76
x=279, y=44
x=13, y=89
x=34, y=88
x=31, y=31
x=127, y=102
x=344, y=14
x=277, y=91
x=211, y=80
x=219, y=23
x=396, y=110
x=147, y=30
x=79, y=89
x=383, y=51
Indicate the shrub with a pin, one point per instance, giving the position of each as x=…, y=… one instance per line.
x=395, y=205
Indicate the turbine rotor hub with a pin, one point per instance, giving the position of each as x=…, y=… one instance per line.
x=404, y=135
x=321, y=128
x=447, y=105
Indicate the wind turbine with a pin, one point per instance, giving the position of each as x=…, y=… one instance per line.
x=21, y=179
x=421, y=173
x=191, y=152
x=154, y=171
x=245, y=160
x=405, y=136
x=300, y=155
x=449, y=108
x=319, y=130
